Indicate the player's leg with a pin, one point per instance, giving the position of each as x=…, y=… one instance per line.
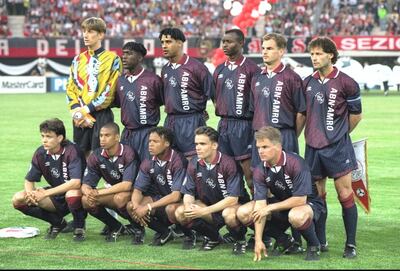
x=301, y=219
x=189, y=242
x=45, y=210
x=349, y=212
x=74, y=201
x=237, y=229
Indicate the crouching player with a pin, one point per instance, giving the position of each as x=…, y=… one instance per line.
x=61, y=163
x=293, y=201
x=157, y=187
x=117, y=164
x=213, y=189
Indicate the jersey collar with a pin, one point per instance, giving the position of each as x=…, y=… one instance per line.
x=118, y=153
x=60, y=152
x=182, y=61
x=166, y=157
x=278, y=69
x=333, y=74
x=238, y=62
x=96, y=52
x=216, y=160
x=281, y=161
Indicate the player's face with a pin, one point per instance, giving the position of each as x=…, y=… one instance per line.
x=271, y=54
x=320, y=59
x=231, y=45
x=205, y=148
x=51, y=142
x=131, y=59
x=157, y=144
x=171, y=47
x=268, y=152
x=92, y=38
x=108, y=139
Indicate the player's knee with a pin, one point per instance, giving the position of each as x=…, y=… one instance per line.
x=120, y=200
x=297, y=218
x=85, y=203
x=179, y=214
x=243, y=214
x=229, y=215
x=18, y=199
x=170, y=210
x=73, y=193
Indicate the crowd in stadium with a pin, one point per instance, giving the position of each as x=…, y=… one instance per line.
x=127, y=18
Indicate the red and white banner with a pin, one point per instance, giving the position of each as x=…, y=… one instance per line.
x=359, y=176
x=367, y=43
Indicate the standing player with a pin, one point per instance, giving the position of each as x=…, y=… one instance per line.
x=187, y=86
x=286, y=176
x=139, y=95
x=333, y=111
x=232, y=81
x=91, y=86
x=161, y=179
x=278, y=100
x=213, y=190
x=117, y=164
x=61, y=163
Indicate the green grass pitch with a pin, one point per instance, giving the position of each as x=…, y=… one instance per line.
x=377, y=237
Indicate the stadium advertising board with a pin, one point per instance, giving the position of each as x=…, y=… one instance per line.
x=57, y=84
x=22, y=84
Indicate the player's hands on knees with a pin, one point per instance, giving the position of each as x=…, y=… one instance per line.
x=259, y=251
x=30, y=199
x=256, y=215
x=194, y=211
x=39, y=195
x=92, y=197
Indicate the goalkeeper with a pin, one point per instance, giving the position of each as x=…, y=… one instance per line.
x=91, y=86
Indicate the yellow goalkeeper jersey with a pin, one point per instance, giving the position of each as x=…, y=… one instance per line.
x=93, y=79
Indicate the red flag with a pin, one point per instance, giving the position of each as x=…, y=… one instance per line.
x=360, y=176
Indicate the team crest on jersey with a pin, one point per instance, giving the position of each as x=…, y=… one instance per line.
x=320, y=97
x=265, y=91
x=173, y=82
x=130, y=96
x=160, y=179
x=229, y=83
x=210, y=183
x=280, y=185
x=54, y=172
x=115, y=174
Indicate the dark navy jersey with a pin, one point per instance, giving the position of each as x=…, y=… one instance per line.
x=329, y=104
x=187, y=86
x=161, y=177
x=232, y=88
x=210, y=183
x=290, y=177
x=121, y=167
x=69, y=163
x=276, y=98
x=140, y=98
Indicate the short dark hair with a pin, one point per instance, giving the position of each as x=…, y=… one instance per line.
x=210, y=132
x=113, y=126
x=53, y=125
x=327, y=45
x=175, y=33
x=237, y=32
x=135, y=46
x=164, y=133
x=279, y=39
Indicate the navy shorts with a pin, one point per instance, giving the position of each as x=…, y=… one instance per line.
x=138, y=140
x=235, y=138
x=333, y=161
x=59, y=203
x=289, y=144
x=218, y=220
x=183, y=127
x=88, y=139
x=317, y=206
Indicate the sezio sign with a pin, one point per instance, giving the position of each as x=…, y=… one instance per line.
x=368, y=43
x=22, y=84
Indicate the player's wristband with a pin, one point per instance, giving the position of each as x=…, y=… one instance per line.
x=149, y=206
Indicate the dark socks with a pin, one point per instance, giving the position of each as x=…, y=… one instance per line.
x=78, y=213
x=205, y=229
x=320, y=224
x=308, y=232
x=350, y=216
x=101, y=214
x=53, y=218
